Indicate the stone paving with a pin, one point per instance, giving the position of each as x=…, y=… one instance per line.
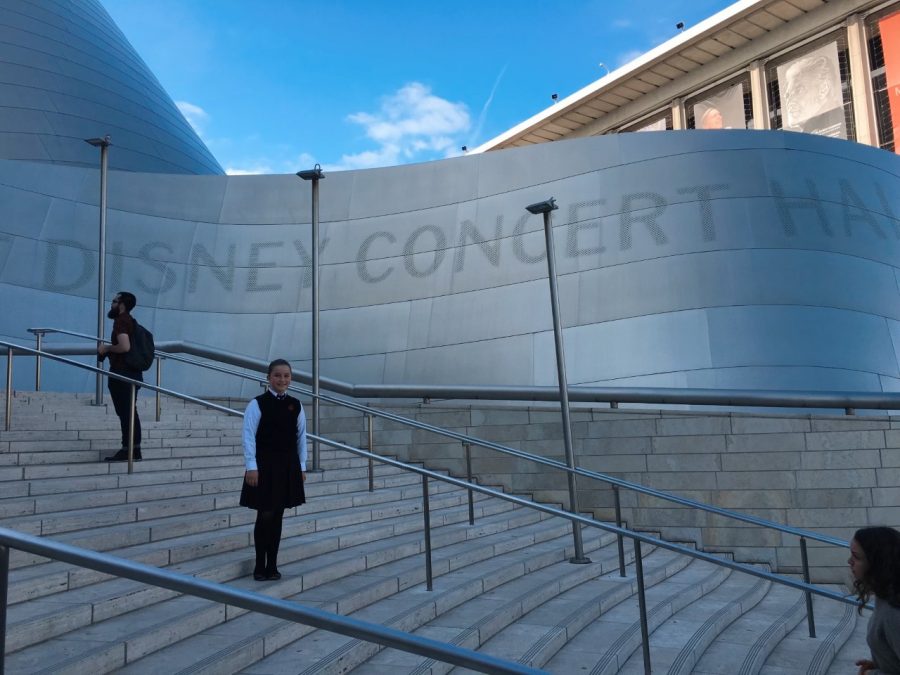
x=503, y=586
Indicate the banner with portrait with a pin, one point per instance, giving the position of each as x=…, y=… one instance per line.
x=723, y=110
x=811, y=97
x=890, y=40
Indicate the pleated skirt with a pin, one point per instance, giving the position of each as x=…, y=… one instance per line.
x=280, y=484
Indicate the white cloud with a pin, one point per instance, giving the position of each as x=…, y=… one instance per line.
x=250, y=170
x=196, y=116
x=411, y=124
x=268, y=165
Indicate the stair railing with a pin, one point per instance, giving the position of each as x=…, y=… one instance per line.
x=60, y=551
x=256, y=602
x=808, y=399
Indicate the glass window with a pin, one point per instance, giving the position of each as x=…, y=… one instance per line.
x=884, y=63
x=809, y=90
x=662, y=121
x=728, y=106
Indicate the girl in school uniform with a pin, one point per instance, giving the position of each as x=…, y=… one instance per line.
x=274, y=436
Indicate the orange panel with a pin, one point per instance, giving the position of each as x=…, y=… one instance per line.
x=890, y=39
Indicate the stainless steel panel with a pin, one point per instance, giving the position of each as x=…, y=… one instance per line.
x=95, y=85
x=722, y=260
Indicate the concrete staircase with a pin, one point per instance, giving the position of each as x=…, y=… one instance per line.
x=503, y=586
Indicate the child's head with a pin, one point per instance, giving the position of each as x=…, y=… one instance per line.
x=875, y=563
x=279, y=375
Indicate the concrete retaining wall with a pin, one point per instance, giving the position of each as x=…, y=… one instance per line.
x=828, y=473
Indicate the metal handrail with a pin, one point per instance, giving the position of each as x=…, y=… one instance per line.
x=472, y=440
x=590, y=522
x=257, y=602
x=637, y=538
x=849, y=401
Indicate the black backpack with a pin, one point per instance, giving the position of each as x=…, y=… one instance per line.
x=141, y=355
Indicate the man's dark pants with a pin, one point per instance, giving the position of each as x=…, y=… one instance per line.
x=120, y=393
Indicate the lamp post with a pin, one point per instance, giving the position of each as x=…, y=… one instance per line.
x=103, y=144
x=315, y=175
x=545, y=208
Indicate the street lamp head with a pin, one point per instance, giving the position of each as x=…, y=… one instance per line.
x=312, y=174
x=545, y=206
x=99, y=142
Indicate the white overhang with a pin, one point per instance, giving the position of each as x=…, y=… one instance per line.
x=728, y=40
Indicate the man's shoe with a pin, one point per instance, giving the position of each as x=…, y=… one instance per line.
x=122, y=456
x=273, y=575
x=259, y=576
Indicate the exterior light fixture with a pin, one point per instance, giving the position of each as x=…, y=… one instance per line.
x=103, y=144
x=545, y=208
x=315, y=175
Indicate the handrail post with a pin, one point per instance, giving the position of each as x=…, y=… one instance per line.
x=158, y=384
x=642, y=606
x=810, y=617
x=38, y=339
x=131, y=428
x=427, y=513
x=9, y=362
x=103, y=144
x=619, y=536
x=370, y=424
x=315, y=175
x=545, y=208
x=468, y=447
x=4, y=595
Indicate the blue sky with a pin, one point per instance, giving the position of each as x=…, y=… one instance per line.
x=274, y=86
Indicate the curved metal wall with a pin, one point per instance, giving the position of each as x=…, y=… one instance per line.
x=704, y=259
x=67, y=73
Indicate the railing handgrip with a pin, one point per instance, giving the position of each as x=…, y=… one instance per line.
x=642, y=605
x=426, y=512
x=810, y=617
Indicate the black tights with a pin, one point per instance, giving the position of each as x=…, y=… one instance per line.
x=266, y=537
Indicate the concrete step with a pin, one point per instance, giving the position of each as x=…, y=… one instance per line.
x=746, y=644
x=678, y=643
x=854, y=649
x=503, y=586
x=607, y=643
x=529, y=618
x=31, y=620
x=36, y=580
x=107, y=528
x=797, y=652
x=45, y=480
x=145, y=630
x=471, y=578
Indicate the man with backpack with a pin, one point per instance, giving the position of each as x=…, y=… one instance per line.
x=123, y=338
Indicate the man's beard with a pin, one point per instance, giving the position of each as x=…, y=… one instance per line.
x=112, y=313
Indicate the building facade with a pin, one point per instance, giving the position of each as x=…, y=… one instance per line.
x=734, y=259
x=813, y=66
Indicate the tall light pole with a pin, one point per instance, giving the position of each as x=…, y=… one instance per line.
x=315, y=175
x=545, y=208
x=103, y=144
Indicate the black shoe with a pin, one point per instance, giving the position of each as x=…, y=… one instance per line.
x=273, y=575
x=259, y=576
x=122, y=456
